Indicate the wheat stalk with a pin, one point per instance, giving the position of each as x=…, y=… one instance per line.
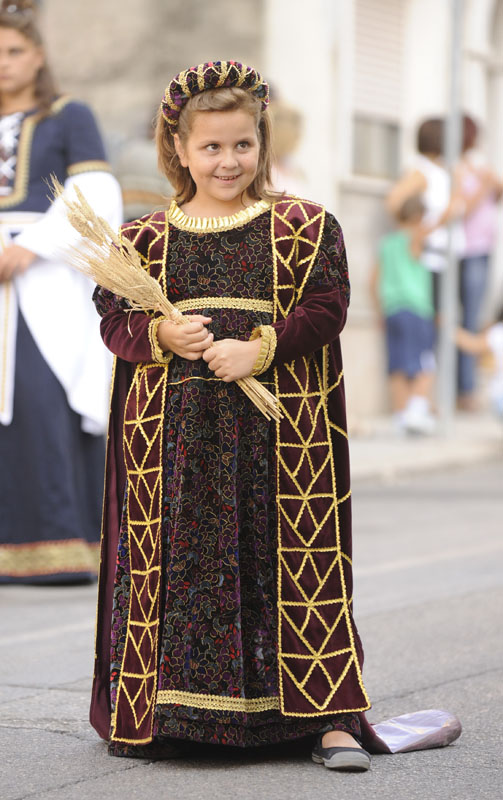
x=116, y=265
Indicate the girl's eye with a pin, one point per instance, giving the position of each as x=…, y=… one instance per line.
x=243, y=145
x=212, y=147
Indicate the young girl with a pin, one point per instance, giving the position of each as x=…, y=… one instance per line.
x=225, y=611
x=54, y=370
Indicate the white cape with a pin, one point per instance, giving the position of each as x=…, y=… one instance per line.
x=56, y=303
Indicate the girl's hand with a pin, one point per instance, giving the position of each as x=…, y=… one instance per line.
x=188, y=341
x=14, y=261
x=232, y=359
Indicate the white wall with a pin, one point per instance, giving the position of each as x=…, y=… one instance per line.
x=426, y=63
x=299, y=55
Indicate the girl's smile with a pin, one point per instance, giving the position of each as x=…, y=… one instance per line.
x=221, y=153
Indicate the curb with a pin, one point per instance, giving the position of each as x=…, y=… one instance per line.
x=385, y=456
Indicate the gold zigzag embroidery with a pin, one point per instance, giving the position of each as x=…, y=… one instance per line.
x=301, y=518
x=136, y=691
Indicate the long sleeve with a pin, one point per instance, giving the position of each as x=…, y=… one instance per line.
x=127, y=334
x=316, y=321
x=50, y=236
x=131, y=335
x=320, y=315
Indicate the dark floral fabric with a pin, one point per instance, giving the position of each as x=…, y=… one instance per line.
x=219, y=612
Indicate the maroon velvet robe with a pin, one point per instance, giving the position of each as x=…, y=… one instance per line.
x=319, y=651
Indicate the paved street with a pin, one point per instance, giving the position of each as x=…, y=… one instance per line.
x=429, y=596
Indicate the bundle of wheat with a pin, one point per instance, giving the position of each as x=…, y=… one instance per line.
x=115, y=264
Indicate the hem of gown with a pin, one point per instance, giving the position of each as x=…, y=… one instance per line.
x=63, y=561
x=173, y=732
x=60, y=579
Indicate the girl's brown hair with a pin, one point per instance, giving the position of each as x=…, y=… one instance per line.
x=23, y=20
x=224, y=99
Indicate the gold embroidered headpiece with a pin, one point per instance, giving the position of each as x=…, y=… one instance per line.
x=212, y=75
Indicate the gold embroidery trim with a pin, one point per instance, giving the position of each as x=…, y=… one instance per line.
x=28, y=126
x=200, y=378
x=47, y=558
x=144, y=533
x=88, y=166
x=240, y=303
x=218, y=702
x=20, y=189
x=307, y=600
x=212, y=224
x=157, y=354
x=267, y=350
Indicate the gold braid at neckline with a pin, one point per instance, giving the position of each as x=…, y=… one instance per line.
x=213, y=224
x=240, y=303
x=217, y=702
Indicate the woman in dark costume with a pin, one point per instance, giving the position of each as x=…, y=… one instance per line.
x=54, y=370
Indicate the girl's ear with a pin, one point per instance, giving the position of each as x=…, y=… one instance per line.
x=180, y=151
x=41, y=57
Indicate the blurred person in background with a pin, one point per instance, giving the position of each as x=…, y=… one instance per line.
x=144, y=187
x=487, y=343
x=481, y=190
x=402, y=289
x=287, y=132
x=54, y=369
x=430, y=179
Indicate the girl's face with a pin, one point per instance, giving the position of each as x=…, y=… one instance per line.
x=20, y=61
x=222, y=154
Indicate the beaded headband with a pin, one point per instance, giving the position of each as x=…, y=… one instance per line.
x=212, y=75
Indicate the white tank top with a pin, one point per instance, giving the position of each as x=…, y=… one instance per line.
x=436, y=199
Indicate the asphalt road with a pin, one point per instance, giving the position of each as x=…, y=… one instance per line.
x=429, y=592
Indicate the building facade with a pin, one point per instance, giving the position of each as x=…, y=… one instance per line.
x=362, y=72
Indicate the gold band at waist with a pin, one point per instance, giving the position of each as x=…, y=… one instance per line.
x=217, y=702
x=240, y=303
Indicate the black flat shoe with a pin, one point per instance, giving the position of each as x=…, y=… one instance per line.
x=344, y=759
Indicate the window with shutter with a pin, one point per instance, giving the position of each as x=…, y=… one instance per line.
x=379, y=37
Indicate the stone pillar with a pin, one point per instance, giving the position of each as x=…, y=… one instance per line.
x=299, y=52
x=118, y=55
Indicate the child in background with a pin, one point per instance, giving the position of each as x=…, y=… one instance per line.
x=403, y=290
x=488, y=342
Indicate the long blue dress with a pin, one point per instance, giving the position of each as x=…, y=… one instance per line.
x=51, y=471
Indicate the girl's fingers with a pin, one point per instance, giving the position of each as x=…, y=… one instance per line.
x=212, y=356
x=192, y=328
x=201, y=333
x=199, y=319
x=199, y=346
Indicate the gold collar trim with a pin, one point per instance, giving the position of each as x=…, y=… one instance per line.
x=211, y=224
